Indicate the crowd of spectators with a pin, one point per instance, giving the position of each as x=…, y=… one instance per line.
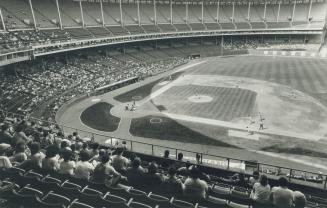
x=37, y=83
x=42, y=147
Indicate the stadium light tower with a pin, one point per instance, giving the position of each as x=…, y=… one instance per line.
x=82, y=14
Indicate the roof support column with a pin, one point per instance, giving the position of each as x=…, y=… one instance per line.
x=32, y=11
x=121, y=13
x=265, y=11
x=2, y=20
x=82, y=14
x=217, y=18
x=155, y=12
x=233, y=12
x=171, y=12
x=279, y=5
x=249, y=11
x=186, y=13
x=102, y=16
x=293, y=12
x=138, y=13
x=202, y=15
x=59, y=15
x=309, y=12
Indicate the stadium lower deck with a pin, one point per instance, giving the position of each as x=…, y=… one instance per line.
x=214, y=106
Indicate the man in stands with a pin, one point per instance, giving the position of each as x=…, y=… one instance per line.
x=104, y=171
x=171, y=184
x=136, y=172
x=152, y=177
x=119, y=162
x=4, y=160
x=84, y=168
x=5, y=136
x=281, y=196
x=195, y=189
x=299, y=199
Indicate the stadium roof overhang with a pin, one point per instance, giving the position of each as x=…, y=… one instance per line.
x=223, y=2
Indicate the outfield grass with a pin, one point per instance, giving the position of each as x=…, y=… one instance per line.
x=98, y=117
x=169, y=129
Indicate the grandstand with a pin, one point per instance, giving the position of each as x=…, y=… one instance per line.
x=147, y=104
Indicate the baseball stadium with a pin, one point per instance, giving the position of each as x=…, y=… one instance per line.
x=163, y=103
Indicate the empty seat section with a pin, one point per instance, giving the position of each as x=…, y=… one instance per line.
x=212, y=26
x=70, y=13
x=197, y=26
x=99, y=31
x=134, y=29
x=242, y=25
x=167, y=28
x=16, y=14
x=182, y=27
x=92, y=11
x=79, y=33
x=118, y=30
x=151, y=28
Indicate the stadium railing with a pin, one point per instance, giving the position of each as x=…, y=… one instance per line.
x=297, y=176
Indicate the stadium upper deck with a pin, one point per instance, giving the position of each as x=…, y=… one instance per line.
x=35, y=27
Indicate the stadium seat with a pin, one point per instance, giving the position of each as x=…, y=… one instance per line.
x=180, y=204
x=91, y=196
x=220, y=190
x=115, y=201
x=154, y=199
x=28, y=200
x=138, y=205
x=239, y=198
x=48, y=184
x=138, y=195
x=77, y=204
x=53, y=198
x=70, y=190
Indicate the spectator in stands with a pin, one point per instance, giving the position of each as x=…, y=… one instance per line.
x=95, y=149
x=165, y=162
x=36, y=155
x=50, y=162
x=195, y=189
x=84, y=168
x=5, y=136
x=98, y=158
x=67, y=166
x=119, y=162
x=85, y=148
x=135, y=173
x=261, y=190
x=75, y=153
x=179, y=163
x=281, y=196
x=104, y=171
x=254, y=178
x=76, y=137
x=19, y=155
x=186, y=169
x=4, y=160
x=299, y=199
x=166, y=154
x=198, y=158
x=172, y=184
x=152, y=177
x=20, y=136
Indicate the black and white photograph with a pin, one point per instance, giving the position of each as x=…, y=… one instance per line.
x=163, y=103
